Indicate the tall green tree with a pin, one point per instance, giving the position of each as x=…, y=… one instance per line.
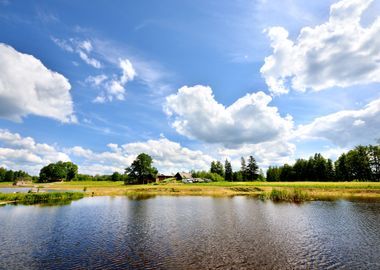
x=116, y=176
x=217, y=167
x=59, y=171
x=252, y=169
x=341, y=170
x=243, y=169
x=300, y=168
x=9, y=176
x=228, y=171
x=320, y=168
x=141, y=170
x=237, y=176
x=3, y=171
x=71, y=170
x=358, y=164
x=374, y=161
x=52, y=172
x=273, y=174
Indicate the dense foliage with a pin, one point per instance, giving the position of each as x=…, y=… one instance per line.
x=43, y=197
x=359, y=164
x=116, y=176
x=59, y=171
x=207, y=175
x=141, y=170
x=13, y=176
x=217, y=167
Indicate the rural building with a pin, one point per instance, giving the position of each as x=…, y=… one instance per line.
x=182, y=175
x=162, y=177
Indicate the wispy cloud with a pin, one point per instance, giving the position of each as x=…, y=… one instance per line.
x=46, y=16
x=131, y=65
x=150, y=73
x=82, y=48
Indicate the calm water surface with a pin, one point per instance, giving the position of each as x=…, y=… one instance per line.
x=13, y=190
x=190, y=233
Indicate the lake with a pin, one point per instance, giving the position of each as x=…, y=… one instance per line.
x=13, y=190
x=190, y=233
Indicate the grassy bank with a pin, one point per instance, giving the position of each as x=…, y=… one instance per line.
x=314, y=190
x=285, y=195
x=6, y=184
x=35, y=198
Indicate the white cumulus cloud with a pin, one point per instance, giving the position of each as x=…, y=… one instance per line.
x=168, y=157
x=346, y=128
x=17, y=152
x=28, y=87
x=197, y=115
x=338, y=53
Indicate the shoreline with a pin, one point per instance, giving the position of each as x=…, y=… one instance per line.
x=315, y=191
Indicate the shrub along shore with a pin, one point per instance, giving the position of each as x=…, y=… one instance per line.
x=276, y=191
x=40, y=197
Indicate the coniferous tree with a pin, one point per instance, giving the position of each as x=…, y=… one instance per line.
x=243, y=169
x=217, y=167
x=252, y=169
x=228, y=171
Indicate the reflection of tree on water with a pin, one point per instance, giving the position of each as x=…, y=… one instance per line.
x=141, y=248
x=49, y=203
x=142, y=196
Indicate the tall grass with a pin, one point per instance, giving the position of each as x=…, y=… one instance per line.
x=33, y=198
x=285, y=195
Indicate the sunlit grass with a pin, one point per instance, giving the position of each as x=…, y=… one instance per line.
x=6, y=184
x=316, y=190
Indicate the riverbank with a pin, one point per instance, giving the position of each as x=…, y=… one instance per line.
x=37, y=198
x=314, y=190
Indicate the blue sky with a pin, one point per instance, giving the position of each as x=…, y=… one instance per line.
x=186, y=81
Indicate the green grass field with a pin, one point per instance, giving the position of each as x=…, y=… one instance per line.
x=322, y=185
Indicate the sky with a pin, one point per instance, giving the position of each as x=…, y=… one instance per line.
x=187, y=82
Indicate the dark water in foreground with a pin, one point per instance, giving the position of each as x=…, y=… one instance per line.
x=190, y=233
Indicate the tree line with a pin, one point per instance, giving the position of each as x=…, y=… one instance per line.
x=249, y=171
x=359, y=164
x=68, y=171
x=141, y=171
x=13, y=176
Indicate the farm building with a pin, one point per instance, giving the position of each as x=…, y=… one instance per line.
x=182, y=175
x=162, y=177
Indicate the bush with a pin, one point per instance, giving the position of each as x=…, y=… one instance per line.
x=33, y=198
x=208, y=175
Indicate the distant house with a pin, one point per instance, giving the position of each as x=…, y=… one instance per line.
x=162, y=177
x=182, y=175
